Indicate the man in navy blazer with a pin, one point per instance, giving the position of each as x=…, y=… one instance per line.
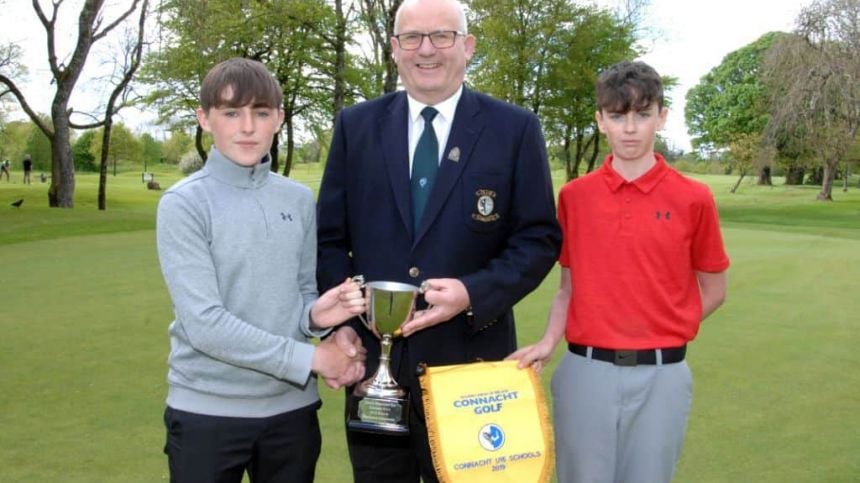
x=488, y=234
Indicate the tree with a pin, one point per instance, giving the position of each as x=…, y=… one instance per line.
x=301, y=58
x=814, y=77
x=378, y=19
x=13, y=139
x=84, y=159
x=123, y=147
x=39, y=148
x=594, y=41
x=729, y=99
x=728, y=104
x=176, y=146
x=746, y=152
x=65, y=74
x=152, y=153
x=126, y=68
x=291, y=37
x=545, y=56
x=175, y=70
x=11, y=67
x=514, y=53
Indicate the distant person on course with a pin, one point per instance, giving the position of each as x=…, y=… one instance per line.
x=28, y=168
x=642, y=265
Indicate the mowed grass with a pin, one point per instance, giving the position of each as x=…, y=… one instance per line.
x=84, y=314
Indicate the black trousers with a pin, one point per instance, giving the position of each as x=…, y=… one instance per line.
x=380, y=458
x=215, y=449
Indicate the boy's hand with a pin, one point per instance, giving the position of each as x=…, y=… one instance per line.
x=536, y=355
x=339, y=359
x=338, y=305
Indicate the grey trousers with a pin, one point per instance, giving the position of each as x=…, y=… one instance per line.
x=618, y=424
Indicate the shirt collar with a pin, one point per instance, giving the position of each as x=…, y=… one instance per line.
x=226, y=171
x=644, y=183
x=446, y=108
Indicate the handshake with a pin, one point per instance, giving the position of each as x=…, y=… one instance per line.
x=339, y=359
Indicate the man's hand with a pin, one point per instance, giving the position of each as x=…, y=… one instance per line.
x=338, y=305
x=446, y=297
x=344, y=343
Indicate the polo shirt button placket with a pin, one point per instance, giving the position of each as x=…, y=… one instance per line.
x=626, y=215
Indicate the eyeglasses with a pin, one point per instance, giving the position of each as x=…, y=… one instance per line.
x=441, y=39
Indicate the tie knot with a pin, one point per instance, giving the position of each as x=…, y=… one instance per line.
x=428, y=113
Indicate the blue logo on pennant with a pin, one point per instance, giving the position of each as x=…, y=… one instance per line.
x=491, y=437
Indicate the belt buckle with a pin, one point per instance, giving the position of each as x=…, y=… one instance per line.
x=625, y=358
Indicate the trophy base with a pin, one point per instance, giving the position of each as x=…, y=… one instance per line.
x=381, y=415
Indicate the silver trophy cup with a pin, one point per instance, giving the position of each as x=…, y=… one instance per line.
x=379, y=404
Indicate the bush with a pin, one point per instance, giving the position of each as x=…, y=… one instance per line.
x=715, y=168
x=701, y=167
x=190, y=162
x=683, y=165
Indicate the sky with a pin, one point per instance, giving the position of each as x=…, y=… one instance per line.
x=19, y=24
x=688, y=38
x=683, y=39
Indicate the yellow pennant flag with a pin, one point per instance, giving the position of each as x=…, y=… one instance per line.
x=488, y=422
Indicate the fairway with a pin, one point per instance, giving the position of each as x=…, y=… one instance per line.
x=84, y=320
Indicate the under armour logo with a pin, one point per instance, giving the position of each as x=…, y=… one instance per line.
x=286, y=216
x=667, y=215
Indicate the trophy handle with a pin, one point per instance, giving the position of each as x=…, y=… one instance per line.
x=362, y=284
x=424, y=287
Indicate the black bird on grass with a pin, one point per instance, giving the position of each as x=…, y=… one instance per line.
x=18, y=203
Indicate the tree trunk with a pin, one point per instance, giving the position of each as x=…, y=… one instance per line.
x=764, y=178
x=573, y=167
x=738, y=183
x=340, y=60
x=274, y=152
x=568, y=167
x=595, y=149
x=61, y=194
x=816, y=176
x=288, y=161
x=390, y=66
x=103, y=158
x=827, y=176
x=794, y=175
x=198, y=143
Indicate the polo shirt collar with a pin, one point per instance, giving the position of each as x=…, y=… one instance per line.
x=644, y=183
x=226, y=171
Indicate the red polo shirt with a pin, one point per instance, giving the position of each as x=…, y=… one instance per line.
x=632, y=249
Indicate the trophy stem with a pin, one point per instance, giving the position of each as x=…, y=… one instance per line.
x=383, y=378
x=382, y=384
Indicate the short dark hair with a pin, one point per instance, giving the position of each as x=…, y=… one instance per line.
x=250, y=81
x=629, y=86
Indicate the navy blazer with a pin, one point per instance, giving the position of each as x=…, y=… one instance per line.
x=500, y=250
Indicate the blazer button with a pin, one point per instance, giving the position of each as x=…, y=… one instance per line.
x=414, y=272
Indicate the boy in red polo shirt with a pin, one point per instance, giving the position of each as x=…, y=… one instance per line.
x=642, y=264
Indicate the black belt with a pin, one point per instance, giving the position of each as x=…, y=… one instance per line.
x=670, y=355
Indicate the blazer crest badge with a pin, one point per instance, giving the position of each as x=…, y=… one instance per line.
x=485, y=206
